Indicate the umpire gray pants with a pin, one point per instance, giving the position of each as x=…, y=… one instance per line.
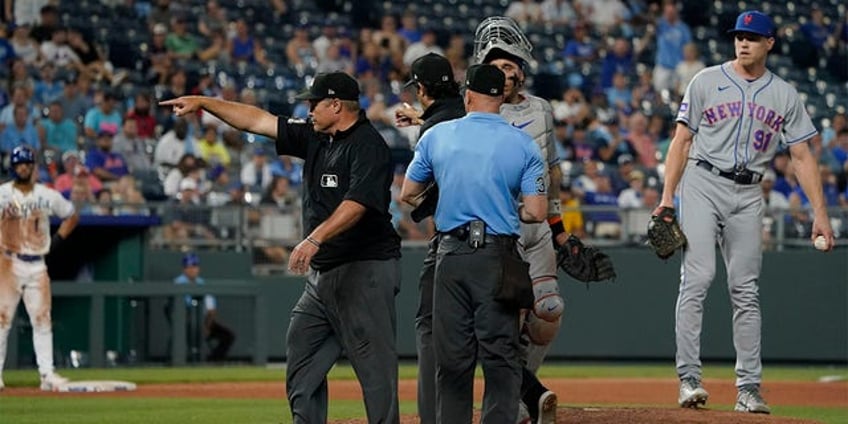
x=467, y=322
x=350, y=309
x=424, y=333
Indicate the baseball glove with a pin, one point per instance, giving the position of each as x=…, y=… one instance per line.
x=664, y=233
x=584, y=263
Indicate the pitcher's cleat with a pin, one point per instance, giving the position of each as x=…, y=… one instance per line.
x=692, y=394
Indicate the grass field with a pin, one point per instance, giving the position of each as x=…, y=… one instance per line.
x=38, y=409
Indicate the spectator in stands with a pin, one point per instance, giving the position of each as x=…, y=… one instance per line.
x=620, y=179
x=216, y=50
x=816, y=31
x=20, y=98
x=107, y=165
x=212, y=149
x=188, y=219
x=688, y=67
x=74, y=101
x=619, y=60
x=279, y=193
x=135, y=149
x=839, y=148
x=256, y=174
x=92, y=61
x=58, y=52
x=373, y=63
x=572, y=217
x=525, y=12
x=586, y=181
x=608, y=140
x=641, y=141
x=455, y=53
x=19, y=76
x=785, y=181
x=328, y=37
x=672, y=34
x=631, y=197
x=75, y=172
x=156, y=61
x=187, y=167
x=334, y=61
x=388, y=37
x=212, y=328
x=300, y=54
x=607, y=223
x=60, y=133
x=142, y=114
x=572, y=109
x=26, y=48
x=130, y=200
x=837, y=124
x=214, y=20
x=774, y=200
x=420, y=48
x=580, y=49
x=620, y=95
x=24, y=12
x=82, y=196
x=7, y=51
x=173, y=145
x=47, y=88
x=823, y=155
x=105, y=116
x=244, y=47
x=48, y=23
x=180, y=43
x=219, y=186
x=177, y=84
x=558, y=12
x=102, y=203
x=289, y=167
x=21, y=132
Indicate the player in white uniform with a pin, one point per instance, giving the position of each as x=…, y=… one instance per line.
x=25, y=210
x=499, y=41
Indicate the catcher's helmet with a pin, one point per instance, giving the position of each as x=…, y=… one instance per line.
x=21, y=154
x=499, y=35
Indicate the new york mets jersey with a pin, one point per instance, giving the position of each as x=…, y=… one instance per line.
x=25, y=218
x=741, y=123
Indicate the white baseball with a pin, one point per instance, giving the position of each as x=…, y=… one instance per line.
x=820, y=243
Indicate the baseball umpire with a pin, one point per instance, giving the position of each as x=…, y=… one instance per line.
x=438, y=93
x=26, y=208
x=350, y=252
x=733, y=119
x=474, y=310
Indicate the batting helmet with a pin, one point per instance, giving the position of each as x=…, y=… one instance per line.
x=191, y=259
x=21, y=154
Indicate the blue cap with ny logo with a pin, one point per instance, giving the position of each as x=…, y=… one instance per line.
x=754, y=22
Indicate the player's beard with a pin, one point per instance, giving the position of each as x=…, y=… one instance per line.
x=24, y=177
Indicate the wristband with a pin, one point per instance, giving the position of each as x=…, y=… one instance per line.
x=314, y=242
x=555, y=222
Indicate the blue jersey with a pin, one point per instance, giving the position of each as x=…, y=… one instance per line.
x=481, y=164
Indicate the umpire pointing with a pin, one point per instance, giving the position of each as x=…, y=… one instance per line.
x=350, y=252
x=482, y=165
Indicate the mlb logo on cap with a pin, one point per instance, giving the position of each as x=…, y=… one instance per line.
x=754, y=22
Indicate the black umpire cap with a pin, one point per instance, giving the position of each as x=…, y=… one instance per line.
x=430, y=69
x=333, y=85
x=485, y=79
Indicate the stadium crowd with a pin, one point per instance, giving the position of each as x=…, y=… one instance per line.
x=81, y=81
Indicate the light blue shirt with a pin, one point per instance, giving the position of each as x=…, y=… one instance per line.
x=209, y=301
x=13, y=136
x=61, y=135
x=481, y=164
x=670, y=42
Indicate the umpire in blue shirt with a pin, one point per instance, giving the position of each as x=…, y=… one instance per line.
x=481, y=164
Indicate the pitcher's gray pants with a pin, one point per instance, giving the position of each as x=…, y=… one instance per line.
x=716, y=209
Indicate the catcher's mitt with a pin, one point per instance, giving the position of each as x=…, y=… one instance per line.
x=584, y=263
x=664, y=233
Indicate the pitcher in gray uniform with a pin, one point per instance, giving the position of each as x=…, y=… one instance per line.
x=500, y=42
x=733, y=119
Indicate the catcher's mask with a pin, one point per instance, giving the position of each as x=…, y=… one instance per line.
x=500, y=37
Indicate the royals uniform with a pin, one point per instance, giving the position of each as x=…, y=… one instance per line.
x=534, y=116
x=24, y=240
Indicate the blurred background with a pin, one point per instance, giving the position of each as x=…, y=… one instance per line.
x=80, y=81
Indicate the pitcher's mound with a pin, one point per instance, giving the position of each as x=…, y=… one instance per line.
x=640, y=416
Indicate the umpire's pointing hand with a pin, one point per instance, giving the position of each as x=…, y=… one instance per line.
x=184, y=105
